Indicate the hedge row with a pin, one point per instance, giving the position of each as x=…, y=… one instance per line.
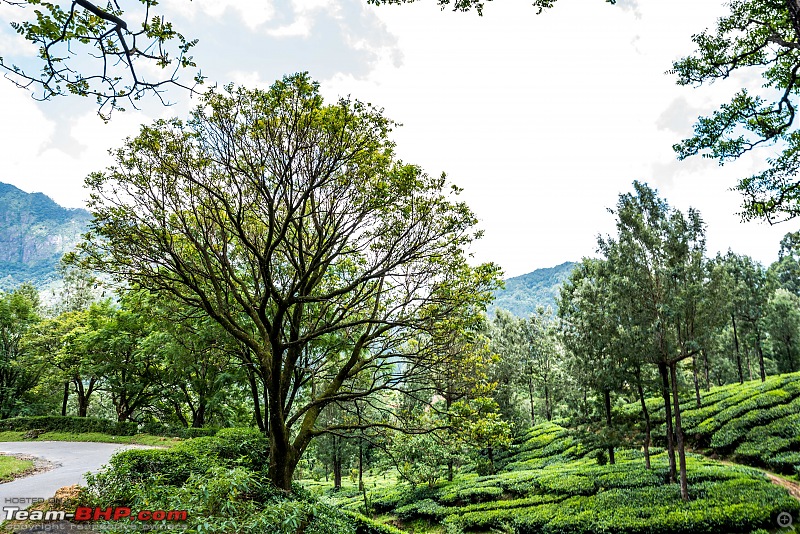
x=68, y=424
x=157, y=429
x=78, y=425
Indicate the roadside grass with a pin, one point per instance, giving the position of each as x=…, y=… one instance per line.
x=11, y=468
x=96, y=437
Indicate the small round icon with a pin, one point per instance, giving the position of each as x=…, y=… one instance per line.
x=784, y=519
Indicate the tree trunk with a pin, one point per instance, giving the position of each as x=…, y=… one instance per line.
x=697, y=400
x=256, y=399
x=547, y=408
x=66, y=398
x=337, y=464
x=794, y=12
x=707, y=370
x=585, y=405
x=533, y=403
x=738, y=354
x=179, y=413
x=607, y=400
x=760, y=356
x=200, y=417
x=662, y=370
x=360, y=464
x=679, y=433
x=646, y=415
x=283, y=457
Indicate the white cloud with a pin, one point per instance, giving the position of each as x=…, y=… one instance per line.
x=300, y=27
x=253, y=13
x=42, y=155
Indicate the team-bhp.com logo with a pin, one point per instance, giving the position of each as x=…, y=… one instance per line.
x=87, y=513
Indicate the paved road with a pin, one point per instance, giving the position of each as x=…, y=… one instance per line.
x=72, y=460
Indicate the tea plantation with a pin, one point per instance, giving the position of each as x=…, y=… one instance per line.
x=753, y=423
x=549, y=482
x=552, y=484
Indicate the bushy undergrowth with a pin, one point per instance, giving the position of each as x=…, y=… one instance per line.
x=221, y=483
x=576, y=495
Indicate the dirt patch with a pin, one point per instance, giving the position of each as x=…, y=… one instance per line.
x=792, y=487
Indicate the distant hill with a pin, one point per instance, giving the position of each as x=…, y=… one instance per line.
x=523, y=294
x=34, y=233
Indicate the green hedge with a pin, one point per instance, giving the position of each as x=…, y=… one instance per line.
x=50, y=423
x=157, y=429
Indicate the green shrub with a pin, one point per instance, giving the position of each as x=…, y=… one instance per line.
x=156, y=428
x=736, y=429
x=763, y=400
x=426, y=508
x=471, y=495
x=365, y=525
x=568, y=484
x=785, y=462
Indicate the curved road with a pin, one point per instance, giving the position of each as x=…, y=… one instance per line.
x=71, y=459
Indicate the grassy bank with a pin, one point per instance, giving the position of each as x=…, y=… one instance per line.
x=138, y=439
x=11, y=468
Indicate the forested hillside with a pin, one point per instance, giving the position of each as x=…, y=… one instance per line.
x=34, y=233
x=523, y=294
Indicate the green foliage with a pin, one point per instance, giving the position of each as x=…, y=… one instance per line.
x=578, y=496
x=19, y=312
x=365, y=525
x=757, y=37
x=158, y=429
x=220, y=481
x=756, y=422
x=328, y=310
x=100, y=51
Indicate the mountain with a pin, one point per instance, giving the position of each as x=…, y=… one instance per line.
x=523, y=294
x=34, y=233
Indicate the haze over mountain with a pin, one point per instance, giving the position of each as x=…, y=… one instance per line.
x=34, y=233
x=523, y=294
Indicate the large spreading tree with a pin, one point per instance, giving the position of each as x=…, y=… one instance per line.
x=292, y=224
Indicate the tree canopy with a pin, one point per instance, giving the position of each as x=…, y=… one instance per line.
x=291, y=223
x=90, y=49
x=759, y=36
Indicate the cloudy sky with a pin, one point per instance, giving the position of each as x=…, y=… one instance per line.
x=542, y=119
